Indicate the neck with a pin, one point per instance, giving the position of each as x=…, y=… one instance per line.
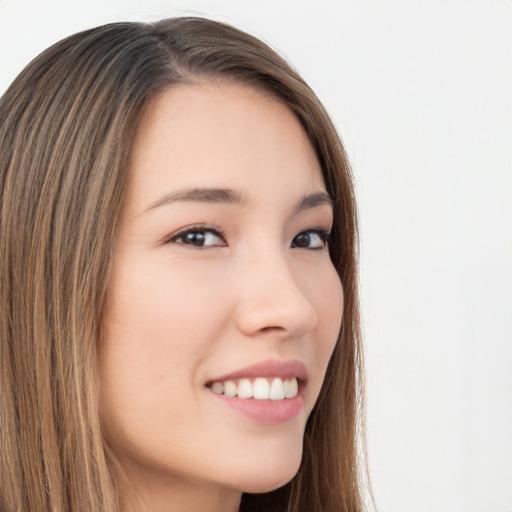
x=171, y=495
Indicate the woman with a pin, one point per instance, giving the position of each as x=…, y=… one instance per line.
x=179, y=322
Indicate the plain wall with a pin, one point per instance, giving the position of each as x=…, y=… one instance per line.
x=422, y=95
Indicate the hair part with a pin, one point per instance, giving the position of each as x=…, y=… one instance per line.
x=66, y=129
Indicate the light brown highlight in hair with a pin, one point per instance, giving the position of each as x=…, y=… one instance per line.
x=66, y=129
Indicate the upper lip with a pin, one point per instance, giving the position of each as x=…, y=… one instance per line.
x=270, y=368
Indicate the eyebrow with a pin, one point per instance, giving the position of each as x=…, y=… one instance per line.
x=200, y=195
x=230, y=196
x=313, y=200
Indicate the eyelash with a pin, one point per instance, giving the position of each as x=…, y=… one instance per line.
x=322, y=233
x=199, y=228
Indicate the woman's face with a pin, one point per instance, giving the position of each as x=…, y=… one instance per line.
x=221, y=284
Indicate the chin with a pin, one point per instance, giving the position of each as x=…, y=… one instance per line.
x=273, y=474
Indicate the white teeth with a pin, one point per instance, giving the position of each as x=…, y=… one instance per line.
x=260, y=388
x=218, y=387
x=290, y=388
x=277, y=390
x=245, y=389
x=230, y=388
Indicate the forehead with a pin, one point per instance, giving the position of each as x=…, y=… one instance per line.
x=221, y=135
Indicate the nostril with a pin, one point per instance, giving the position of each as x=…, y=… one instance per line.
x=272, y=328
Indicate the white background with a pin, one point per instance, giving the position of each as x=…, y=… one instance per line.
x=422, y=95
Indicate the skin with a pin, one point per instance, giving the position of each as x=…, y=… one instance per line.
x=179, y=315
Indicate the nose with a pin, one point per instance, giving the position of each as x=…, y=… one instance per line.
x=271, y=299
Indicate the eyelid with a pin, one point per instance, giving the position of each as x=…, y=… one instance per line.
x=325, y=233
x=193, y=229
x=322, y=232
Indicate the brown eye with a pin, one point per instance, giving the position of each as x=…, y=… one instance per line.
x=199, y=237
x=193, y=239
x=311, y=239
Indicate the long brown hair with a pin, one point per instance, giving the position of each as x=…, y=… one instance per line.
x=66, y=129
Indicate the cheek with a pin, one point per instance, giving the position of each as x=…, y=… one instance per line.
x=158, y=328
x=162, y=312
x=326, y=293
x=331, y=322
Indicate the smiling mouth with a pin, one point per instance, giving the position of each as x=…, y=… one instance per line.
x=259, y=388
x=268, y=392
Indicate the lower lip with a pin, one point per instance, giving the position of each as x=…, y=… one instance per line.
x=266, y=412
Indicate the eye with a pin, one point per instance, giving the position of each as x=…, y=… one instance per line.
x=199, y=236
x=311, y=239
